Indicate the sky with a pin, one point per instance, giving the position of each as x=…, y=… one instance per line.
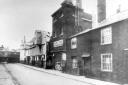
x=19, y=18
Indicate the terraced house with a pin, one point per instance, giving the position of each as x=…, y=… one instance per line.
x=101, y=52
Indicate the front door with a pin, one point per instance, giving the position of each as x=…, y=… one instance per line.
x=87, y=65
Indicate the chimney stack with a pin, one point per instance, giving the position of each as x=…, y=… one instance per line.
x=79, y=3
x=101, y=10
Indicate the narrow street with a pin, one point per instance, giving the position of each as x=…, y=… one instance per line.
x=27, y=76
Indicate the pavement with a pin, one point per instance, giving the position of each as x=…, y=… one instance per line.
x=5, y=77
x=73, y=77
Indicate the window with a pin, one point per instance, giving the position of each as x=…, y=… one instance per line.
x=106, y=62
x=61, y=29
x=74, y=63
x=73, y=43
x=106, y=36
x=54, y=34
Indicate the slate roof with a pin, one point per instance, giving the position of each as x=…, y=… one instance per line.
x=111, y=20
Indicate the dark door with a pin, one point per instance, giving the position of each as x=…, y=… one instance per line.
x=87, y=65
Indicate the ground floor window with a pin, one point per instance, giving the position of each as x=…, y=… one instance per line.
x=106, y=62
x=74, y=63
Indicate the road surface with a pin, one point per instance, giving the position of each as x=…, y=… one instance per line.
x=28, y=76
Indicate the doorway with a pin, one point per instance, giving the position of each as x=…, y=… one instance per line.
x=86, y=66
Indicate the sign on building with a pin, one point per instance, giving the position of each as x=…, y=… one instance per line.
x=73, y=43
x=58, y=43
x=64, y=56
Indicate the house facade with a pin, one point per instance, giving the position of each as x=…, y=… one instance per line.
x=109, y=52
x=78, y=53
x=102, y=52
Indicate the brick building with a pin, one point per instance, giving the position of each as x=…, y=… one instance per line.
x=78, y=53
x=101, y=52
x=67, y=20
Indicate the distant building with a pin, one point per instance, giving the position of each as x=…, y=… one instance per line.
x=35, y=50
x=9, y=56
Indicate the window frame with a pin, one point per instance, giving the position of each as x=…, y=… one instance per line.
x=110, y=64
x=103, y=33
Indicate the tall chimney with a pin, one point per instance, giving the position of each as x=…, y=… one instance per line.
x=79, y=3
x=101, y=10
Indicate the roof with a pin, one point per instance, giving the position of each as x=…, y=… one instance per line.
x=111, y=20
x=85, y=31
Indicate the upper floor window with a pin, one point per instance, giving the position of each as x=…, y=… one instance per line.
x=106, y=36
x=73, y=43
x=106, y=62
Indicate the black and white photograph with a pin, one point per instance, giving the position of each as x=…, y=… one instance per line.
x=63, y=42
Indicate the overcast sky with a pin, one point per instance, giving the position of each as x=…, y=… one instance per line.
x=22, y=17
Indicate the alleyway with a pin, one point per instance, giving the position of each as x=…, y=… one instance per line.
x=27, y=76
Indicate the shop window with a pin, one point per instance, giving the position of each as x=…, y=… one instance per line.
x=106, y=62
x=73, y=43
x=106, y=36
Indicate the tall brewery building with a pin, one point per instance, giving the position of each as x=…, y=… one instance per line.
x=67, y=21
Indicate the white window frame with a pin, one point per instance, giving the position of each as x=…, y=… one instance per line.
x=106, y=35
x=74, y=40
x=107, y=64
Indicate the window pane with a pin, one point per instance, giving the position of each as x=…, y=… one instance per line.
x=106, y=62
x=106, y=35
